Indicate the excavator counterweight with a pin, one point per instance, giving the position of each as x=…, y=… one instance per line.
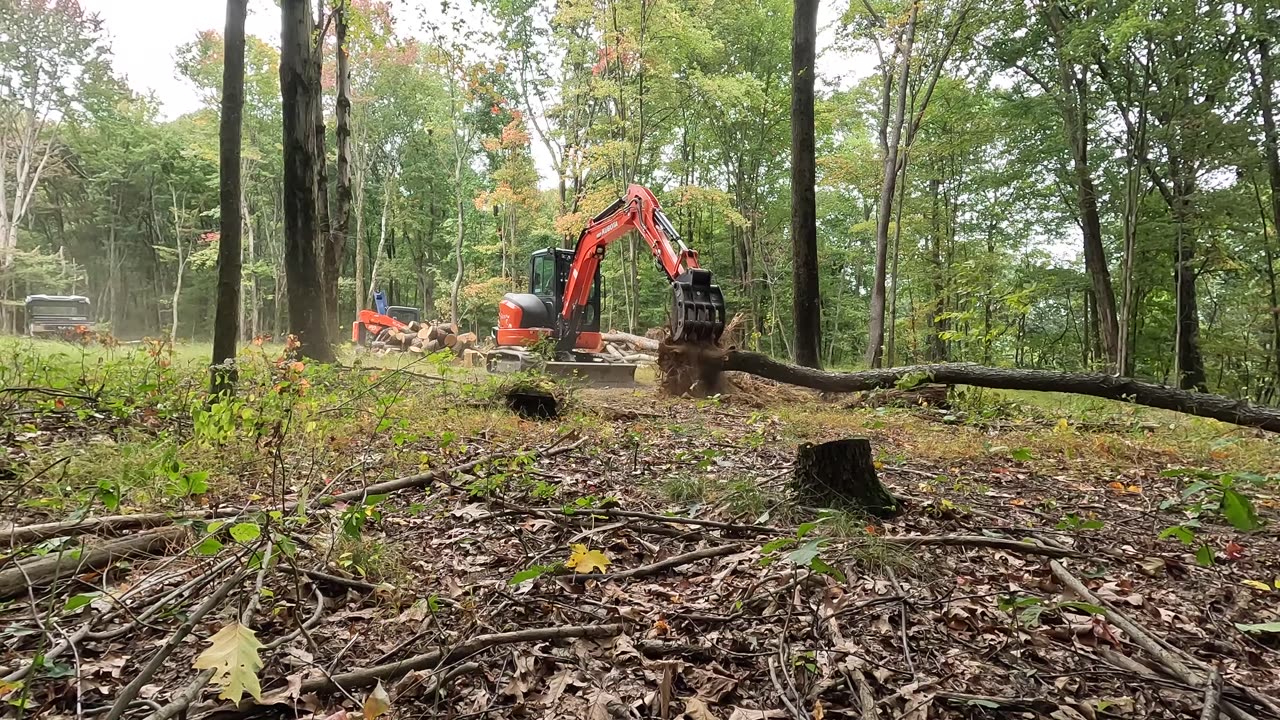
x=563, y=302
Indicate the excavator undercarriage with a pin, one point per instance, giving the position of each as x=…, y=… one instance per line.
x=556, y=325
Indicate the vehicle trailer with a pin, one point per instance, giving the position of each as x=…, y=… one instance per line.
x=58, y=315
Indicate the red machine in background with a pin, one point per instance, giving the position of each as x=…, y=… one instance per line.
x=373, y=325
x=563, y=302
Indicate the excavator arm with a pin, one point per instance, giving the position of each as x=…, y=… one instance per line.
x=697, y=305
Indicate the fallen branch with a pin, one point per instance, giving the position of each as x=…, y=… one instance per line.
x=17, y=535
x=1212, y=696
x=1016, y=546
x=422, y=479
x=675, y=519
x=50, y=568
x=671, y=562
x=323, y=577
x=390, y=671
x=1152, y=645
x=130, y=691
x=1239, y=412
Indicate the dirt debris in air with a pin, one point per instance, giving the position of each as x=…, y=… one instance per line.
x=644, y=558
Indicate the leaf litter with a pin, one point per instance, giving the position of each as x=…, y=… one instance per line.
x=658, y=522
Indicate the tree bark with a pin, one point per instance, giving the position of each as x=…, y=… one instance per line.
x=1271, y=149
x=1074, y=105
x=806, y=301
x=1239, y=412
x=299, y=90
x=842, y=474
x=226, y=323
x=875, y=328
x=342, y=200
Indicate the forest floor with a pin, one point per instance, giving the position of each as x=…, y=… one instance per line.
x=388, y=541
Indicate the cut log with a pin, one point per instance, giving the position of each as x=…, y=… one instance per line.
x=1122, y=389
x=472, y=358
x=466, y=341
x=424, y=333
x=49, y=568
x=635, y=341
x=431, y=346
x=449, y=340
x=842, y=474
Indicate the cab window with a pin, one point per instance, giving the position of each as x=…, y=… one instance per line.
x=544, y=276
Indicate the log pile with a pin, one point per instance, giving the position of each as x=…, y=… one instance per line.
x=426, y=338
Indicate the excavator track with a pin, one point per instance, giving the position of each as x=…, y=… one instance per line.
x=697, y=313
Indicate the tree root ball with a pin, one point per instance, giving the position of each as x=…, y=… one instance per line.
x=690, y=369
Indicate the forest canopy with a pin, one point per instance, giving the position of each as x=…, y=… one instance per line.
x=1056, y=185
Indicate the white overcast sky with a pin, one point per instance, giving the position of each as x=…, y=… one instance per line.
x=145, y=34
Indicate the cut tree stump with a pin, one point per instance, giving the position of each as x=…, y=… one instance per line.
x=841, y=474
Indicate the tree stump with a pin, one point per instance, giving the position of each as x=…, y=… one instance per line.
x=842, y=474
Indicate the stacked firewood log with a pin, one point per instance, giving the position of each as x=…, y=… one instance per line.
x=428, y=338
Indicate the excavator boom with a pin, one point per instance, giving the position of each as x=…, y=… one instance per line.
x=697, y=312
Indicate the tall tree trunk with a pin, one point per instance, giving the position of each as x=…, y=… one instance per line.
x=226, y=323
x=182, y=261
x=337, y=245
x=937, y=324
x=1189, y=364
x=251, y=252
x=1271, y=148
x=382, y=242
x=1074, y=105
x=328, y=271
x=806, y=303
x=362, y=248
x=875, y=330
x=460, y=233
x=299, y=90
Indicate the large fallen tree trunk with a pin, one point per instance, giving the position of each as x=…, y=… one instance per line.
x=1226, y=409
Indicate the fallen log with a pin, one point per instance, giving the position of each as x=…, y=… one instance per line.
x=20, y=534
x=49, y=568
x=1217, y=407
x=635, y=341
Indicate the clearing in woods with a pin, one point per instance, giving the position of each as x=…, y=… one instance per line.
x=408, y=538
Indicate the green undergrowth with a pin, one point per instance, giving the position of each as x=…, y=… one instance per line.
x=133, y=428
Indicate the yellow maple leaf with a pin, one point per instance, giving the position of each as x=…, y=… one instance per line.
x=583, y=560
x=232, y=655
x=1258, y=585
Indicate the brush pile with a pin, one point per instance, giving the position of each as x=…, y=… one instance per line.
x=425, y=338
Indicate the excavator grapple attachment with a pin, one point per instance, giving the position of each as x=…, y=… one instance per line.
x=697, y=313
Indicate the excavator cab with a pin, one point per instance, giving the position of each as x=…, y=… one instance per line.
x=549, y=275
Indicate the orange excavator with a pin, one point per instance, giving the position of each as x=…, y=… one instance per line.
x=563, y=302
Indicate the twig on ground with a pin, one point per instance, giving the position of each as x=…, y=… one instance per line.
x=365, y=677
x=866, y=698
x=340, y=581
x=1006, y=544
x=1212, y=695
x=655, y=568
x=1150, y=644
x=130, y=691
